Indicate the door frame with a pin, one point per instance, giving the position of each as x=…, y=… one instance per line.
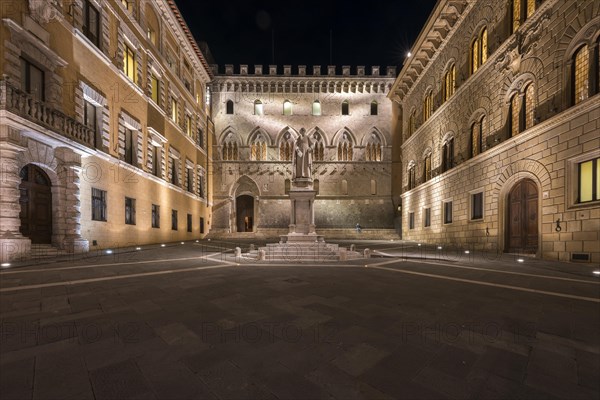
x=503, y=205
x=254, y=211
x=52, y=189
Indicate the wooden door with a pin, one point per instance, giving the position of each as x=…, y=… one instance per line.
x=36, y=204
x=245, y=213
x=522, y=218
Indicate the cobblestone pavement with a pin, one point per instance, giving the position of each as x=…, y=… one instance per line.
x=190, y=321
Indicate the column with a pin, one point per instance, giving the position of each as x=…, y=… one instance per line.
x=13, y=245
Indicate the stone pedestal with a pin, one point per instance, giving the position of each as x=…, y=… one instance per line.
x=302, y=212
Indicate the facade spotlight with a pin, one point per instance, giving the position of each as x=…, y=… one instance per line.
x=5, y=265
x=408, y=54
x=595, y=272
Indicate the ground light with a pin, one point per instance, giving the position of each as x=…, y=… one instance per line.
x=4, y=265
x=163, y=245
x=439, y=247
x=182, y=243
x=467, y=252
x=520, y=260
x=419, y=244
x=109, y=251
x=595, y=272
x=138, y=248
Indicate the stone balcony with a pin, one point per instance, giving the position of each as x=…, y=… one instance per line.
x=24, y=105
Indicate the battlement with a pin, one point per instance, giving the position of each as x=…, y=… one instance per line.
x=301, y=70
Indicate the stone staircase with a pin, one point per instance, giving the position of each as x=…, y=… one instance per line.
x=303, y=252
x=44, y=251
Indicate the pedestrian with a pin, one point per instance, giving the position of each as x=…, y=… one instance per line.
x=358, y=228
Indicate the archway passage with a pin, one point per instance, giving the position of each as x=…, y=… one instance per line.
x=36, y=204
x=245, y=213
x=522, y=218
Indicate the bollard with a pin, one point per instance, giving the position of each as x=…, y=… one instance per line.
x=252, y=247
x=352, y=247
x=367, y=253
x=262, y=255
x=238, y=252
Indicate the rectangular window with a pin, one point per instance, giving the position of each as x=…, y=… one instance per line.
x=200, y=184
x=200, y=137
x=477, y=206
x=188, y=126
x=89, y=116
x=448, y=212
x=129, y=211
x=190, y=180
x=411, y=220
x=129, y=65
x=427, y=218
x=91, y=23
x=155, y=216
x=129, y=147
x=427, y=168
x=155, y=88
x=589, y=180
x=33, y=80
x=174, y=220
x=174, y=111
x=189, y=222
x=98, y=205
x=156, y=161
x=201, y=224
x=151, y=34
x=174, y=172
x=128, y=5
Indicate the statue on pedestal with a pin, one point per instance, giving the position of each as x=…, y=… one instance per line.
x=302, y=157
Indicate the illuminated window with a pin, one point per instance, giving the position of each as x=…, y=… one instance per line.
x=128, y=5
x=258, y=148
x=345, y=148
x=427, y=168
x=427, y=107
x=580, y=75
x=448, y=155
x=188, y=126
x=174, y=111
x=412, y=182
x=516, y=15
x=529, y=106
x=129, y=64
x=374, y=107
x=514, y=117
x=151, y=34
x=285, y=147
x=155, y=89
x=589, y=181
x=479, y=49
x=476, y=137
x=449, y=82
x=229, y=107
x=530, y=7
x=287, y=107
x=316, y=107
x=230, y=149
x=258, y=108
x=345, y=108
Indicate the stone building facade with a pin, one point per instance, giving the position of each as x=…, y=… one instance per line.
x=258, y=114
x=105, y=128
x=499, y=128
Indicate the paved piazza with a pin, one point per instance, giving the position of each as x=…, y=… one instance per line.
x=190, y=321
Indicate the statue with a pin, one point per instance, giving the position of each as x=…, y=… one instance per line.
x=302, y=157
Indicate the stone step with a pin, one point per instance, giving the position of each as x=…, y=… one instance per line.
x=46, y=251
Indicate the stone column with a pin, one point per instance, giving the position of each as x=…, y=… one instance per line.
x=68, y=176
x=13, y=245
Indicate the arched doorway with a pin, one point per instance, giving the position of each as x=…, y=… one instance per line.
x=522, y=218
x=36, y=204
x=244, y=213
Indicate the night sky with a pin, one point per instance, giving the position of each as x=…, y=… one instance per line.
x=372, y=32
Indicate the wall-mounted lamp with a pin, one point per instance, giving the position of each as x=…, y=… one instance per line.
x=558, y=227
